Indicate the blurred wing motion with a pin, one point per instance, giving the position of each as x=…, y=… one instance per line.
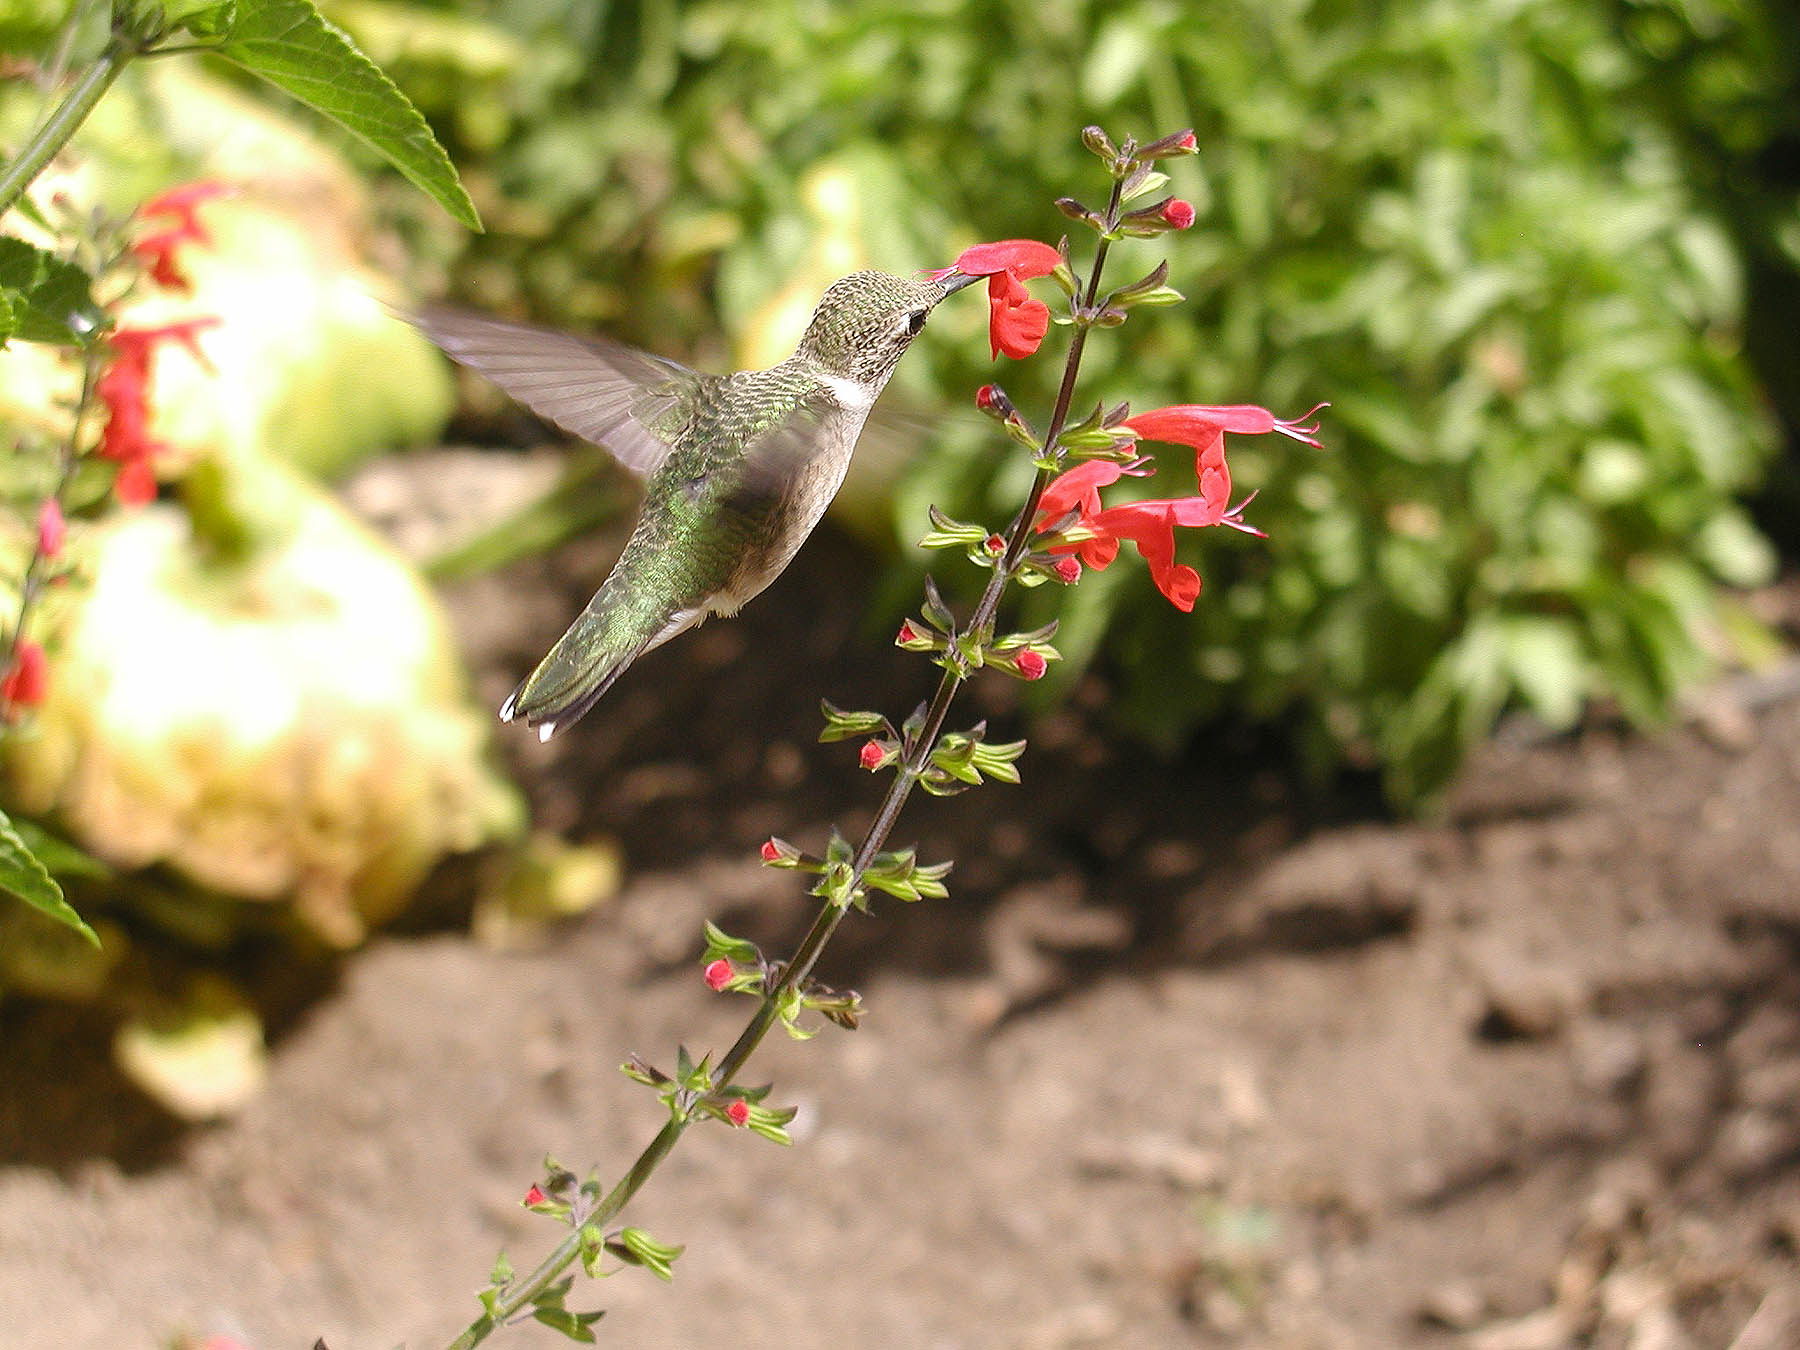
x=615, y=396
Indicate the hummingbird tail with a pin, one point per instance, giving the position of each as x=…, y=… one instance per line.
x=583, y=664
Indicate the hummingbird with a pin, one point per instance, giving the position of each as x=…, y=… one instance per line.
x=738, y=468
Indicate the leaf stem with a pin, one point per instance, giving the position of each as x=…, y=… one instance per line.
x=62, y=123
x=806, y=955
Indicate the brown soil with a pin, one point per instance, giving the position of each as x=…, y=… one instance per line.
x=1188, y=1058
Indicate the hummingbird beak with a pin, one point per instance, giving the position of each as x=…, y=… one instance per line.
x=953, y=284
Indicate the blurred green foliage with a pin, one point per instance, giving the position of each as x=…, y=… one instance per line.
x=1491, y=234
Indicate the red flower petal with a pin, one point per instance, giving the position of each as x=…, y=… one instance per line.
x=1021, y=257
x=738, y=1112
x=27, y=680
x=1018, y=330
x=1031, y=665
x=1194, y=423
x=136, y=483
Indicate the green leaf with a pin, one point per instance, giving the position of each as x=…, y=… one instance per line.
x=59, y=856
x=21, y=874
x=290, y=45
x=46, y=299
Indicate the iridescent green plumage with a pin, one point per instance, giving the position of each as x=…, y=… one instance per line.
x=740, y=467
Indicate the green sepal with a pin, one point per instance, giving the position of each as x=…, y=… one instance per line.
x=720, y=944
x=843, y=725
x=946, y=531
x=636, y=1247
x=1141, y=182
x=937, y=613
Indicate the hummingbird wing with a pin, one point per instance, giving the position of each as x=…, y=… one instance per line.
x=612, y=395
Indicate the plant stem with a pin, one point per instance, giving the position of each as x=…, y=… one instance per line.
x=806, y=956
x=32, y=582
x=61, y=124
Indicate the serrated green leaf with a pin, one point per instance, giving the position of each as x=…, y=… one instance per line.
x=23, y=875
x=59, y=856
x=49, y=300
x=289, y=44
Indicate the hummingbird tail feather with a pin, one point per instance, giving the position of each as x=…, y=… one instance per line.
x=583, y=664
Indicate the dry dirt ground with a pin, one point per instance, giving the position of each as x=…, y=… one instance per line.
x=1188, y=1058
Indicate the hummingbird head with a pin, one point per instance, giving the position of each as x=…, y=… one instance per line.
x=865, y=322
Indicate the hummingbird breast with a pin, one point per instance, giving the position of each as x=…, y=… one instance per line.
x=752, y=472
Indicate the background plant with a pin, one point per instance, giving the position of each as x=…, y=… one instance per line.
x=1504, y=229
x=68, y=270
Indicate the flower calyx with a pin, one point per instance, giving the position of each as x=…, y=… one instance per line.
x=899, y=873
x=961, y=759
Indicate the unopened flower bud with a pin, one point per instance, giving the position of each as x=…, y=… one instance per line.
x=1099, y=142
x=906, y=634
x=52, y=528
x=1031, y=665
x=1068, y=569
x=770, y=851
x=534, y=1197
x=719, y=974
x=738, y=1113
x=992, y=400
x=1180, y=143
x=873, y=756
x=994, y=544
x=1177, y=213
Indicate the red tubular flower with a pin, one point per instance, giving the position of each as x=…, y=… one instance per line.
x=1016, y=322
x=738, y=1112
x=157, y=249
x=27, y=680
x=124, y=390
x=52, y=528
x=1150, y=525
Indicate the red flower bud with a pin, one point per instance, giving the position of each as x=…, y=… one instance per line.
x=994, y=544
x=738, y=1113
x=534, y=1197
x=718, y=974
x=872, y=756
x=52, y=529
x=1068, y=570
x=28, y=679
x=906, y=634
x=1031, y=665
x=770, y=851
x=1178, y=213
x=1187, y=142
